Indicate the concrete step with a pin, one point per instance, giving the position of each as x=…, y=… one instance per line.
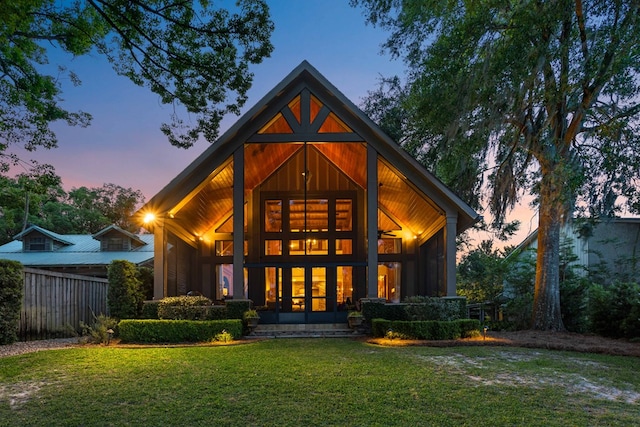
x=320, y=330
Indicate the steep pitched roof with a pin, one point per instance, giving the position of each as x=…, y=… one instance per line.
x=306, y=77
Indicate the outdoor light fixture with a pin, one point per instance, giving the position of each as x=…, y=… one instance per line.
x=149, y=217
x=109, y=335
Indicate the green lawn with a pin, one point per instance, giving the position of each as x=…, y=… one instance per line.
x=318, y=382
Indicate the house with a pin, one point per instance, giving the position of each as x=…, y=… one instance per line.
x=607, y=249
x=305, y=206
x=82, y=254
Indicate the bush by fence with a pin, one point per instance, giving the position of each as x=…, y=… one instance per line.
x=176, y=331
x=426, y=329
x=11, y=290
x=125, y=294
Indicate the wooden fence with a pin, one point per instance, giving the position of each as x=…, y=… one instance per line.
x=54, y=304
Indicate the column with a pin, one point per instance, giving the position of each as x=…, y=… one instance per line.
x=159, y=266
x=372, y=222
x=238, y=223
x=450, y=254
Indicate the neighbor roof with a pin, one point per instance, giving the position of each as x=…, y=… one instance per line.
x=78, y=250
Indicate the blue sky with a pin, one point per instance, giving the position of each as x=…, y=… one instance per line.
x=124, y=145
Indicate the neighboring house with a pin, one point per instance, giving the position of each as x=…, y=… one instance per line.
x=608, y=250
x=305, y=206
x=82, y=254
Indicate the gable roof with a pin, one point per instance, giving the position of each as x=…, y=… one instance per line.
x=77, y=250
x=114, y=228
x=34, y=228
x=306, y=77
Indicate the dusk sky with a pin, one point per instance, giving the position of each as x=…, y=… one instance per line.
x=124, y=144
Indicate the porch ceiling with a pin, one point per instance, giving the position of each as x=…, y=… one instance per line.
x=404, y=205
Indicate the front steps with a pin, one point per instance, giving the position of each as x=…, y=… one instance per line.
x=319, y=330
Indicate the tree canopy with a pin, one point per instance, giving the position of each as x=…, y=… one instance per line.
x=39, y=199
x=524, y=96
x=195, y=56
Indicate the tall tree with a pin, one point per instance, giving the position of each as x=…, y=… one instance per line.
x=193, y=55
x=111, y=203
x=526, y=95
x=40, y=200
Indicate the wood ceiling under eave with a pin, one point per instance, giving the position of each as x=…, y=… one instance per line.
x=407, y=205
x=209, y=205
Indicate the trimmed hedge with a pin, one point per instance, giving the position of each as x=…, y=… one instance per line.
x=176, y=331
x=237, y=307
x=11, y=290
x=184, y=308
x=416, y=308
x=427, y=329
x=150, y=309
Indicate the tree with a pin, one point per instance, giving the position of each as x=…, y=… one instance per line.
x=40, y=200
x=481, y=274
x=517, y=96
x=194, y=56
x=106, y=205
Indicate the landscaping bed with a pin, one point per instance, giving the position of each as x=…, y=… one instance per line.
x=568, y=341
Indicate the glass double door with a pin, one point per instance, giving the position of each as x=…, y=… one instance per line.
x=308, y=254
x=309, y=293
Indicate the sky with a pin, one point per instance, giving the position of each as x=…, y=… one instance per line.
x=124, y=145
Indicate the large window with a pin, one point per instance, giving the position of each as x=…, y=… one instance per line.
x=389, y=274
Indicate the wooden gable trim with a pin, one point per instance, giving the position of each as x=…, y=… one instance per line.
x=305, y=80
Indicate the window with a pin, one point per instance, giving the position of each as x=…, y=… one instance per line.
x=115, y=244
x=38, y=244
x=389, y=281
x=389, y=246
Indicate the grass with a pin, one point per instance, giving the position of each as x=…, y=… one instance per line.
x=318, y=382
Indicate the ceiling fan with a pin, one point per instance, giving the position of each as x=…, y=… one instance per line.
x=385, y=233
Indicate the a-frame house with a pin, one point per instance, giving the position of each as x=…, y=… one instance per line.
x=305, y=206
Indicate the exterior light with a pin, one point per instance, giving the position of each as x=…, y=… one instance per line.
x=149, y=217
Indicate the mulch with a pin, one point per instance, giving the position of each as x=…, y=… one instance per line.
x=548, y=340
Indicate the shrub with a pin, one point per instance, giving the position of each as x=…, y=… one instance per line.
x=124, y=297
x=11, y=290
x=374, y=309
x=416, y=308
x=176, y=331
x=614, y=311
x=150, y=309
x=145, y=275
x=431, y=308
x=217, y=312
x=184, y=308
x=99, y=332
x=573, y=304
x=236, y=308
x=224, y=336
x=426, y=329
